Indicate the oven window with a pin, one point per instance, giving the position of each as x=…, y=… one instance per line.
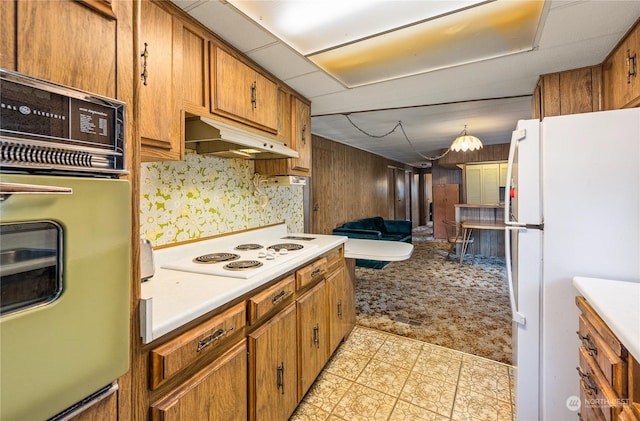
x=30, y=264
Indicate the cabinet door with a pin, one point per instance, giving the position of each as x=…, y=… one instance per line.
x=195, y=70
x=490, y=182
x=474, y=183
x=503, y=174
x=273, y=393
x=48, y=46
x=104, y=410
x=622, y=88
x=159, y=113
x=217, y=392
x=313, y=347
x=301, y=134
x=264, y=103
x=341, y=307
x=445, y=196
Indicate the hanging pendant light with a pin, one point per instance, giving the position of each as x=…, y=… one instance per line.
x=465, y=142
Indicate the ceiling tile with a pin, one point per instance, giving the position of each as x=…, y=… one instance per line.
x=282, y=61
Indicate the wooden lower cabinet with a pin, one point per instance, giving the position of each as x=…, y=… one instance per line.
x=313, y=346
x=104, y=410
x=609, y=376
x=273, y=372
x=255, y=360
x=341, y=302
x=217, y=392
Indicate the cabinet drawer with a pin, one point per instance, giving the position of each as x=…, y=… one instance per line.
x=611, y=365
x=598, y=392
x=170, y=358
x=334, y=259
x=627, y=414
x=588, y=412
x=600, y=326
x=311, y=273
x=271, y=298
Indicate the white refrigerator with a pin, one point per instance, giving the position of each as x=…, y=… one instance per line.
x=572, y=208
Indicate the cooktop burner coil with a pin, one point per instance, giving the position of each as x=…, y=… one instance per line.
x=243, y=265
x=216, y=258
x=287, y=246
x=249, y=246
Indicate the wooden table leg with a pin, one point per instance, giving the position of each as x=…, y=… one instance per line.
x=466, y=235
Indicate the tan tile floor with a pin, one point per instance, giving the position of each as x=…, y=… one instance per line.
x=379, y=376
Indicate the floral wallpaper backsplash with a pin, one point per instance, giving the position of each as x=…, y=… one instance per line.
x=204, y=196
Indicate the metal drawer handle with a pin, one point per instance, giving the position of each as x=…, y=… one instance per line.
x=145, y=55
x=316, y=272
x=280, y=377
x=254, y=100
x=589, y=383
x=278, y=297
x=591, y=348
x=7, y=189
x=340, y=309
x=205, y=342
x=631, y=65
x=316, y=335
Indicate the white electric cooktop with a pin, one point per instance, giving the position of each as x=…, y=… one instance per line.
x=243, y=260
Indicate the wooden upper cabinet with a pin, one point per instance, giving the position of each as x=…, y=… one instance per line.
x=159, y=117
x=195, y=70
x=8, y=35
x=301, y=134
x=620, y=71
x=570, y=92
x=299, y=140
x=242, y=93
x=37, y=41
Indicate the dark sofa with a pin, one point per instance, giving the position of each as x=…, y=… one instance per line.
x=376, y=228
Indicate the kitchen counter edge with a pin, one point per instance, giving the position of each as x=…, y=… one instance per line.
x=616, y=302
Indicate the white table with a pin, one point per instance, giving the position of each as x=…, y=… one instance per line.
x=386, y=251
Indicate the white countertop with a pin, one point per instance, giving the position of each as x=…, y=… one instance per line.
x=618, y=304
x=388, y=251
x=172, y=298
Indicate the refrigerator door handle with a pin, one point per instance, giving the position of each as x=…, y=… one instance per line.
x=516, y=136
x=516, y=316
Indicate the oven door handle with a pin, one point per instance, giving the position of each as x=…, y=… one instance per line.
x=7, y=189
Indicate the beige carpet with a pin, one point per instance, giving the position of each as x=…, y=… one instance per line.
x=462, y=307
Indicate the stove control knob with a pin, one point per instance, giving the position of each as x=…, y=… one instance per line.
x=283, y=252
x=262, y=254
x=271, y=255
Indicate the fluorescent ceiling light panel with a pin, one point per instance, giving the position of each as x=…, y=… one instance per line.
x=310, y=26
x=360, y=42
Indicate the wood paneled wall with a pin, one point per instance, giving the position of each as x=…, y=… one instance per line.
x=499, y=152
x=347, y=184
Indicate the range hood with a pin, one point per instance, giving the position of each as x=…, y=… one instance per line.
x=211, y=137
